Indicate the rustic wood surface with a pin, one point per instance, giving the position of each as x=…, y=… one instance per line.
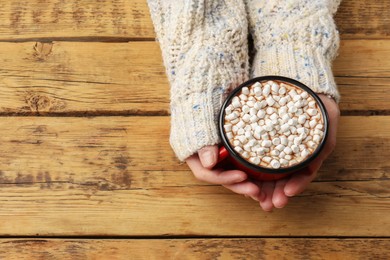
x=86, y=171
x=207, y=249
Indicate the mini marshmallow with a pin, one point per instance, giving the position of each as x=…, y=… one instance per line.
x=292, y=109
x=257, y=91
x=311, y=144
x=266, y=90
x=267, y=159
x=266, y=143
x=297, y=140
x=228, y=128
x=284, y=127
x=312, y=104
x=246, y=118
x=288, y=157
x=236, y=143
x=276, y=141
x=283, y=140
x=252, y=111
x=253, y=118
x=316, y=138
x=282, y=111
x=257, y=105
x=275, y=88
x=282, y=101
x=235, y=121
x=273, y=116
x=270, y=101
x=241, y=131
x=264, y=137
x=305, y=153
x=240, y=124
x=292, y=121
x=301, y=119
x=285, y=118
x=254, y=160
x=245, y=90
x=282, y=90
x=245, y=109
x=261, y=114
x=287, y=150
x=292, y=93
x=295, y=148
x=283, y=162
x=319, y=126
x=280, y=147
x=304, y=95
x=232, y=116
x=236, y=102
x=238, y=149
x=248, y=135
x=270, y=110
x=250, y=103
x=243, y=97
x=275, y=164
x=312, y=112
x=247, y=147
x=245, y=154
x=275, y=152
x=312, y=123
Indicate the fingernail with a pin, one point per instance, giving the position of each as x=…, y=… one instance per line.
x=207, y=158
x=289, y=193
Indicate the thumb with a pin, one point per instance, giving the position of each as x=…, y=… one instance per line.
x=208, y=156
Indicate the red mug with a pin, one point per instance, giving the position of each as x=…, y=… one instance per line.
x=228, y=157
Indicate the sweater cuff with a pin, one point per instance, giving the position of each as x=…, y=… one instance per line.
x=194, y=123
x=298, y=61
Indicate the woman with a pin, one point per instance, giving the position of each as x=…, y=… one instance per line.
x=205, y=49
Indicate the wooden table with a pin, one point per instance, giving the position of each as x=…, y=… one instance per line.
x=86, y=171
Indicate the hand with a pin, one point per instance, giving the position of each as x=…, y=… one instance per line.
x=270, y=194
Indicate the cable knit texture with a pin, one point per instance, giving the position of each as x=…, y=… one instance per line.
x=205, y=52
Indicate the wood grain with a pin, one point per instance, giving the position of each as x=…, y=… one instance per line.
x=102, y=20
x=129, y=78
x=85, y=149
x=117, y=176
x=117, y=20
x=245, y=248
x=364, y=19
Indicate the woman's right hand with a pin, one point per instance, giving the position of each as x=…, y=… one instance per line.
x=202, y=163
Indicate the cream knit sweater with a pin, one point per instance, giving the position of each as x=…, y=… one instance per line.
x=205, y=50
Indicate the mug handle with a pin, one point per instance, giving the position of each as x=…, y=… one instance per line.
x=222, y=155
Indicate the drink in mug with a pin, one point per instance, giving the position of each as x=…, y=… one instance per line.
x=272, y=127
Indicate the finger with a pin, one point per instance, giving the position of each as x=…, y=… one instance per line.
x=279, y=198
x=217, y=176
x=268, y=190
x=208, y=156
x=299, y=181
x=245, y=188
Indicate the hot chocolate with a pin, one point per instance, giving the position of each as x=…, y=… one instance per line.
x=274, y=124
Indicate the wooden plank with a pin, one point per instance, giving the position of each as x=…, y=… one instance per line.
x=116, y=19
x=129, y=78
x=364, y=19
x=81, y=147
x=113, y=19
x=364, y=94
x=245, y=248
x=105, y=176
x=363, y=58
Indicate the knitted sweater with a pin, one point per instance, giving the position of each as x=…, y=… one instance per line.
x=204, y=45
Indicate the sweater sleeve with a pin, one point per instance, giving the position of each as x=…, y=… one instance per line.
x=296, y=39
x=204, y=48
